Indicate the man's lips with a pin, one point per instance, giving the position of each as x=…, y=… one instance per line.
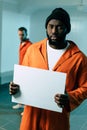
x=53, y=37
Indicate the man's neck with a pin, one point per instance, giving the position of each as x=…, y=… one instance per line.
x=24, y=41
x=61, y=45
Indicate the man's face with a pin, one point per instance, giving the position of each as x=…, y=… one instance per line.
x=56, y=31
x=22, y=35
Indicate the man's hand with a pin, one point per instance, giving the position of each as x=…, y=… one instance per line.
x=62, y=100
x=13, y=88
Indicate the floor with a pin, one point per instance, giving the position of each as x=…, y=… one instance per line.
x=10, y=119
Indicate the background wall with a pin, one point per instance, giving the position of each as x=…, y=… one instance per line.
x=10, y=42
x=11, y=21
x=0, y=36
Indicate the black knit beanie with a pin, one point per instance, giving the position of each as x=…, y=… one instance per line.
x=62, y=15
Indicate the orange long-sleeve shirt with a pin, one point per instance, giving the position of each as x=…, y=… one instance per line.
x=22, y=50
x=74, y=63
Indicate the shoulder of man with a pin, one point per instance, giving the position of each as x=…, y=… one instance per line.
x=38, y=44
x=77, y=51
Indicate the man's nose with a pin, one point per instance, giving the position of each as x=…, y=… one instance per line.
x=54, y=30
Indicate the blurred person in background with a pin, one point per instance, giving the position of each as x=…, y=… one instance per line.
x=24, y=44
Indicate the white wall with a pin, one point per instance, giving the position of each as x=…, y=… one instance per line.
x=78, y=22
x=79, y=31
x=37, y=25
x=11, y=21
x=0, y=32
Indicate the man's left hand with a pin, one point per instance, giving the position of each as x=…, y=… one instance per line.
x=62, y=100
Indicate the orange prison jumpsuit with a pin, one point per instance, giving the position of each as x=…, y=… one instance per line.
x=22, y=50
x=74, y=63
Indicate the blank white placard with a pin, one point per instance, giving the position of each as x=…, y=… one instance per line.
x=38, y=87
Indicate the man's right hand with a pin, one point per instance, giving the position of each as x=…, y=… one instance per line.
x=13, y=88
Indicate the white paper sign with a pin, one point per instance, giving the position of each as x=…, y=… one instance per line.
x=38, y=87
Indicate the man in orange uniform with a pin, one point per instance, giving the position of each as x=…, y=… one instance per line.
x=24, y=44
x=55, y=53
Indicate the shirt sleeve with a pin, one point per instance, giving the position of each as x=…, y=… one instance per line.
x=78, y=95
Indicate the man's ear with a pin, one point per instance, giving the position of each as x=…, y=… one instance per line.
x=66, y=31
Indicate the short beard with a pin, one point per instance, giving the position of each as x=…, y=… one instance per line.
x=59, y=40
x=52, y=42
x=58, y=43
x=23, y=40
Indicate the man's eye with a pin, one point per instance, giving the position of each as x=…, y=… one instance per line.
x=60, y=27
x=51, y=26
x=21, y=35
